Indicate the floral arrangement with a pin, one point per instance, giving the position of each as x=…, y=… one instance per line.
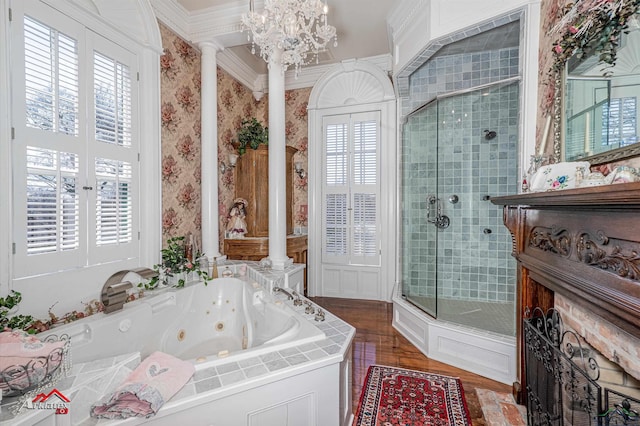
x=252, y=133
x=589, y=26
x=179, y=258
x=32, y=325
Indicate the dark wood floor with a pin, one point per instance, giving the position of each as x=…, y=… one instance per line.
x=377, y=342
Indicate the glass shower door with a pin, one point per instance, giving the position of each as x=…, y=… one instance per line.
x=458, y=152
x=419, y=181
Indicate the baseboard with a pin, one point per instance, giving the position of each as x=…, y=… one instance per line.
x=487, y=354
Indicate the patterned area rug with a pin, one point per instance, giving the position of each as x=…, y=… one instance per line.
x=395, y=396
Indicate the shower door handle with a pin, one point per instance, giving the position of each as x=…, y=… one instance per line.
x=439, y=220
x=432, y=200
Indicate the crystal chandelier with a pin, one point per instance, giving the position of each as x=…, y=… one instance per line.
x=299, y=28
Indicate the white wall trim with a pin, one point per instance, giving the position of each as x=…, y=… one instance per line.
x=350, y=87
x=6, y=267
x=173, y=15
x=489, y=355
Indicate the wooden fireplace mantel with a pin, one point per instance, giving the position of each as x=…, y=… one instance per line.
x=582, y=243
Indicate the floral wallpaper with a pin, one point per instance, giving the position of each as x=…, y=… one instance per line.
x=181, y=143
x=180, y=136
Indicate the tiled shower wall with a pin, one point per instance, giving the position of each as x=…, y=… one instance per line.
x=445, y=74
x=445, y=152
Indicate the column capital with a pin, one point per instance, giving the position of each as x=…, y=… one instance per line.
x=217, y=47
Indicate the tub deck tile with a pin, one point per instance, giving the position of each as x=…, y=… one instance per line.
x=316, y=354
x=249, y=362
x=278, y=364
x=289, y=351
x=204, y=374
x=255, y=371
x=269, y=357
x=296, y=359
x=333, y=349
x=307, y=347
x=230, y=378
x=208, y=384
x=228, y=368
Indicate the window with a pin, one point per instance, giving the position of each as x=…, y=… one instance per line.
x=351, y=190
x=76, y=196
x=620, y=114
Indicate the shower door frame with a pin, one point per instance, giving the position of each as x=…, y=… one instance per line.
x=435, y=102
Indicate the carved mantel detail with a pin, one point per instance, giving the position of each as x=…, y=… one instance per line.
x=613, y=260
x=581, y=245
x=557, y=241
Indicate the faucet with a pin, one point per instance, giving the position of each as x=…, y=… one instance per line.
x=114, y=290
x=282, y=290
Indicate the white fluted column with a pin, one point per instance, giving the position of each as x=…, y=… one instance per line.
x=277, y=165
x=209, y=150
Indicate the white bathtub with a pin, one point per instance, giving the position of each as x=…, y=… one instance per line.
x=228, y=317
x=258, y=358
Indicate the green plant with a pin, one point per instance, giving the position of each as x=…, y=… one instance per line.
x=252, y=133
x=175, y=262
x=20, y=322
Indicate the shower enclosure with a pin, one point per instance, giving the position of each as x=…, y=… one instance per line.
x=458, y=151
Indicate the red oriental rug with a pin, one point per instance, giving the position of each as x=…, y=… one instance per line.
x=395, y=396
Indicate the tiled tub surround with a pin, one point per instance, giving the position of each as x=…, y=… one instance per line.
x=305, y=380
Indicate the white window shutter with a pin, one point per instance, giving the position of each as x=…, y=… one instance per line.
x=351, y=189
x=75, y=194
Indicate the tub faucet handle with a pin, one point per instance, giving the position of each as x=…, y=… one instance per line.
x=297, y=301
x=309, y=309
x=319, y=315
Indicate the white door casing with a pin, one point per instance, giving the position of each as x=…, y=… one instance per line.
x=349, y=89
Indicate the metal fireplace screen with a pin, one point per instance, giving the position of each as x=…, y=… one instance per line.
x=561, y=379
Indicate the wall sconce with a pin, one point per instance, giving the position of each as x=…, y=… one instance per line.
x=233, y=159
x=297, y=166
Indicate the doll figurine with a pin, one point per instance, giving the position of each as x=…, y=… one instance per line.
x=237, y=225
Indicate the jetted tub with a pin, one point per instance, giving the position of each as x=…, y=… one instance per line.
x=204, y=323
x=258, y=358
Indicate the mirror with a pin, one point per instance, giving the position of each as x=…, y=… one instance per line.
x=597, y=99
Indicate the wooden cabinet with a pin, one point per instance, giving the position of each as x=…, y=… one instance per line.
x=252, y=184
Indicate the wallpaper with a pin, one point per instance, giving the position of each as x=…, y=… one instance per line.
x=181, y=142
x=180, y=136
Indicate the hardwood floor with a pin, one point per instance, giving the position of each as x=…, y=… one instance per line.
x=377, y=342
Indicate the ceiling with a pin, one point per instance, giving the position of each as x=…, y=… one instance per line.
x=360, y=25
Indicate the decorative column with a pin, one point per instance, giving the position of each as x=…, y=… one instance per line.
x=209, y=150
x=277, y=165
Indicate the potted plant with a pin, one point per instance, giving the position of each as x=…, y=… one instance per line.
x=178, y=261
x=252, y=133
x=8, y=307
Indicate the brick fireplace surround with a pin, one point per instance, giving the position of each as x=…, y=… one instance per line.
x=578, y=250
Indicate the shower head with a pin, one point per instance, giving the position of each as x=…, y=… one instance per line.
x=489, y=134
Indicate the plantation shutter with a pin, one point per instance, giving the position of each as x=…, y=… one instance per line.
x=69, y=96
x=351, y=189
x=114, y=159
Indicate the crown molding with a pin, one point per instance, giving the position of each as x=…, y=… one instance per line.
x=174, y=16
x=231, y=63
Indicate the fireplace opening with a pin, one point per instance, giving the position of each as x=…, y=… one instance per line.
x=568, y=382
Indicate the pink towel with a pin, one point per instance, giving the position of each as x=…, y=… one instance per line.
x=146, y=389
x=25, y=361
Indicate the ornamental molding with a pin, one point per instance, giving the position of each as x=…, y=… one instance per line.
x=554, y=240
x=599, y=253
